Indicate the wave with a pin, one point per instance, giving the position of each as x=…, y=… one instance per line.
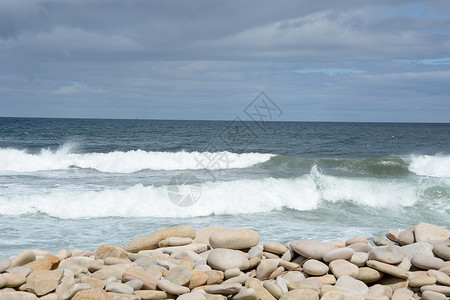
x=244, y=196
x=125, y=162
x=433, y=166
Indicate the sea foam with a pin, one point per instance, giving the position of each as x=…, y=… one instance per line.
x=430, y=165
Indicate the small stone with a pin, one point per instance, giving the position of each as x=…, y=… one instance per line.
x=342, y=267
x=441, y=278
x=430, y=295
x=146, y=261
x=325, y=279
x=380, y=290
x=420, y=248
x=224, y=259
x=430, y=232
x=242, y=238
x=49, y=262
x=382, y=242
x=172, y=288
x=361, y=247
x=388, y=269
x=421, y=278
x=406, y=237
x=175, y=241
x=255, y=251
x=179, y=275
x=387, y=254
x=94, y=283
x=293, y=276
x=405, y=264
x=199, y=278
x=17, y=296
x=276, y=248
x=150, y=295
x=261, y=292
x=197, y=295
x=23, y=258
x=368, y=275
x=232, y=273
x=274, y=289
x=69, y=293
x=2, y=281
x=394, y=283
x=359, y=258
x=5, y=263
x=22, y=271
x=13, y=280
x=311, y=249
x=315, y=267
x=393, y=235
x=339, y=253
x=150, y=241
x=427, y=262
x=266, y=267
x=117, y=287
x=246, y=294
x=91, y=294
x=42, y=282
x=136, y=284
x=304, y=294
x=214, y=277
x=357, y=239
x=340, y=295
x=107, y=272
x=270, y=255
x=149, y=281
x=310, y=283
x=352, y=284
x=224, y=288
x=442, y=250
x=436, y=288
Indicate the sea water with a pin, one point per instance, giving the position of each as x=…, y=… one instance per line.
x=78, y=183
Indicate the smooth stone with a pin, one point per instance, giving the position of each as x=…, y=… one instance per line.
x=151, y=240
x=202, y=235
x=255, y=252
x=246, y=294
x=117, y=287
x=151, y=295
x=304, y=294
x=441, y=278
x=361, y=247
x=445, y=270
x=310, y=283
x=356, y=239
x=214, y=277
x=388, y=269
x=136, y=284
x=197, y=295
x=405, y=264
x=149, y=281
x=172, y=288
x=18, y=296
x=394, y=282
x=5, y=263
x=382, y=242
x=69, y=293
x=13, y=280
x=293, y=276
x=315, y=267
x=2, y=281
x=352, y=284
x=42, y=282
x=359, y=258
x=23, y=258
x=421, y=278
x=94, y=283
x=22, y=271
x=430, y=232
x=311, y=249
x=199, y=278
x=266, y=267
x=436, y=288
x=104, y=251
x=393, y=235
x=224, y=259
x=146, y=262
x=341, y=267
x=49, y=262
x=387, y=254
x=406, y=237
x=274, y=289
x=325, y=279
x=339, y=253
x=175, y=241
x=236, y=239
x=224, y=288
x=261, y=292
x=368, y=275
x=91, y=294
x=270, y=255
x=419, y=248
x=232, y=273
x=402, y=294
x=179, y=275
x=340, y=295
x=442, y=250
x=430, y=295
x=276, y=248
x=427, y=262
x=380, y=290
x=107, y=272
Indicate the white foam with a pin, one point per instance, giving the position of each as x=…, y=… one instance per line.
x=430, y=165
x=232, y=197
x=125, y=162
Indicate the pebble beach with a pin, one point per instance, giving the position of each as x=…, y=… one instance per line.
x=223, y=263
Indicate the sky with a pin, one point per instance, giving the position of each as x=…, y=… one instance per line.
x=347, y=60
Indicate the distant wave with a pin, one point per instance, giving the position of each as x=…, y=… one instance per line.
x=427, y=165
x=125, y=162
x=233, y=197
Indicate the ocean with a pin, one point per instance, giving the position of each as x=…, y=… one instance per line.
x=78, y=183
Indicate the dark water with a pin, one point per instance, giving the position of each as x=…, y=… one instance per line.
x=80, y=182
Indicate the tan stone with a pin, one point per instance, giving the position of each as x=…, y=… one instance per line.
x=91, y=294
x=304, y=294
x=23, y=258
x=94, y=283
x=151, y=295
x=311, y=249
x=150, y=281
x=368, y=275
x=242, y=238
x=198, y=278
x=430, y=232
x=42, y=282
x=356, y=239
x=49, y=262
x=13, y=280
x=421, y=278
x=341, y=267
x=262, y=293
x=276, y=248
x=150, y=241
x=17, y=296
x=202, y=235
x=388, y=269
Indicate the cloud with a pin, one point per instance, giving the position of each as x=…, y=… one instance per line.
x=75, y=89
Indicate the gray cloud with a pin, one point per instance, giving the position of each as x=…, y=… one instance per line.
x=332, y=60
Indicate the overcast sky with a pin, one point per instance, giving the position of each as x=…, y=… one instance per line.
x=347, y=60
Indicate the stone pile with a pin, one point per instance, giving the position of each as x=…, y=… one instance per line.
x=220, y=263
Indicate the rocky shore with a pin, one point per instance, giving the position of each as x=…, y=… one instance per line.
x=220, y=263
